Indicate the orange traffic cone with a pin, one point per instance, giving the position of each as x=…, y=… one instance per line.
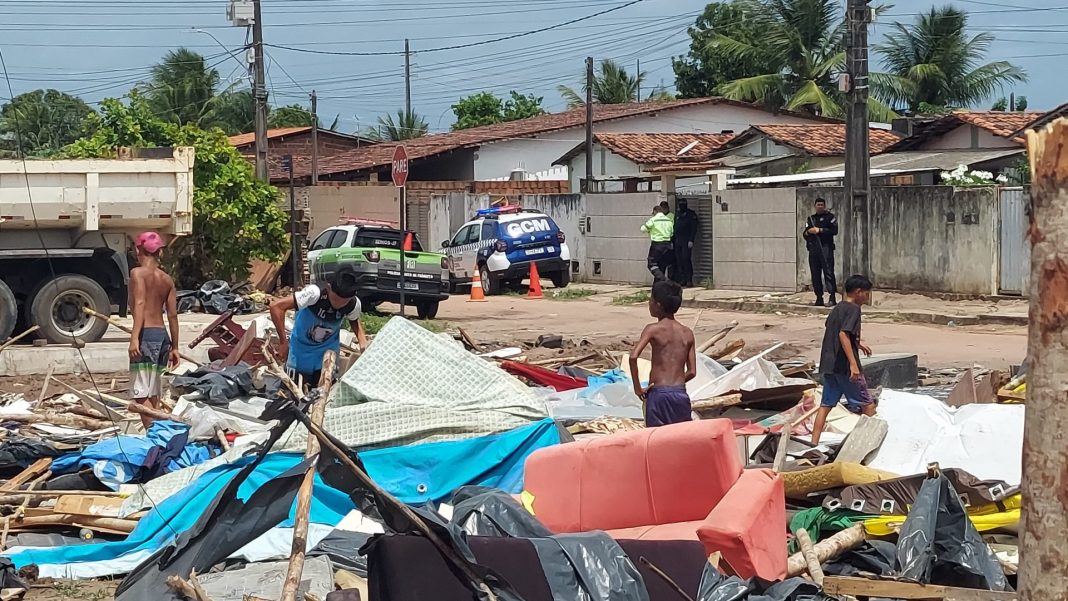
x=535, y=282
x=477, y=295
x=408, y=242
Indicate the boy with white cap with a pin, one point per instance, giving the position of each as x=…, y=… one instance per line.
x=151, y=350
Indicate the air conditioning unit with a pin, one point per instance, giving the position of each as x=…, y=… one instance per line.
x=241, y=13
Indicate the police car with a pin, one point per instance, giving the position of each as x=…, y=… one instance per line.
x=501, y=243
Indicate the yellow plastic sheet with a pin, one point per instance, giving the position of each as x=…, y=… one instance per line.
x=985, y=518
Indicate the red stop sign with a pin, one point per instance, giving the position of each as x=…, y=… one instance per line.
x=400, y=166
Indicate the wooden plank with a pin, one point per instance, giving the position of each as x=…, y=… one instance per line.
x=36, y=469
x=91, y=505
x=964, y=392
x=897, y=589
x=865, y=439
x=242, y=347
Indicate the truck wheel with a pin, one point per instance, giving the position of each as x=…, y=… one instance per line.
x=561, y=278
x=8, y=312
x=427, y=309
x=56, y=307
x=490, y=285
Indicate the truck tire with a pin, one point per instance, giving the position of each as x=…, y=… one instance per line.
x=427, y=309
x=56, y=306
x=561, y=278
x=8, y=312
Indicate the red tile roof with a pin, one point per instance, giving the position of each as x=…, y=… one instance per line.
x=1004, y=124
x=825, y=140
x=249, y=138
x=381, y=155
x=663, y=148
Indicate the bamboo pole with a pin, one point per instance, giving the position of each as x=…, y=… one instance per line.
x=129, y=331
x=11, y=341
x=304, y=494
x=720, y=335
x=1043, y=574
x=827, y=549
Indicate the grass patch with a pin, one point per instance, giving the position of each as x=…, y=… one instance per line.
x=74, y=590
x=374, y=322
x=637, y=298
x=571, y=293
x=708, y=284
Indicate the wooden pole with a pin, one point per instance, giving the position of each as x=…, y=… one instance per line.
x=304, y=494
x=11, y=341
x=827, y=549
x=720, y=335
x=808, y=551
x=1043, y=571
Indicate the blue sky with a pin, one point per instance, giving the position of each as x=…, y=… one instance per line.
x=99, y=48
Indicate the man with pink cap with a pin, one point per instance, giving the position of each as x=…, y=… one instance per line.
x=151, y=350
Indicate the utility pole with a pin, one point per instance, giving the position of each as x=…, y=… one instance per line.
x=855, y=214
x=638, y=76
x=589, y=124
x=315, y=139
x=294, y=247
x=1043, y=574
x=259, y=93
x=407, y=79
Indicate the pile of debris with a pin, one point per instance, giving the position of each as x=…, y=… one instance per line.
x=443, y=452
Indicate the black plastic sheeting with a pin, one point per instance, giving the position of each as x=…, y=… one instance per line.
x=17, y=453
x=341, y=546
x=717, y=587
x=218, y=386
x=938, y=543
x=589, y=565
x=216, y=297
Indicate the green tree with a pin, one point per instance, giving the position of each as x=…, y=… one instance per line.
x=43, y=121
x=484, y=108
x=612, y=85
x=933, y=62
x=407, y=126
x=291, y=115
x=236, y=217
x=706, y=67
x=1003, y=105
x=234, y=111
x=182, y=89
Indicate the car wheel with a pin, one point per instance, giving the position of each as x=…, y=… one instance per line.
x=427, y=309
x=8, y=313
x=490, y=285
x=561, y=278
x=57, y=307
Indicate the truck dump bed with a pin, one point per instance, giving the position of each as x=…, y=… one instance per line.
x=100, y=194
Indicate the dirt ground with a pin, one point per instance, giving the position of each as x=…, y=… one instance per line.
x=86, y=590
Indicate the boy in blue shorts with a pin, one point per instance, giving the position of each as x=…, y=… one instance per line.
x=840, y=356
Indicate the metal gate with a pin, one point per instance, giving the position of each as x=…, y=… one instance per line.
x=1015, y=269
x=702, y=248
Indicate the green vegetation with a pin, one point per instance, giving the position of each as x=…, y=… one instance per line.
x=612, y=85
x=637, y=298
x=407, y=126
x=43, y=121
x=486, y=109
x=374, y=322
x=566, y=294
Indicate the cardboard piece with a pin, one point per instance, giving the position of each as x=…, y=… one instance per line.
x=864, y=440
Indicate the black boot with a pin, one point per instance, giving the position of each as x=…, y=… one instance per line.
x=819, y=302
x=833, y=301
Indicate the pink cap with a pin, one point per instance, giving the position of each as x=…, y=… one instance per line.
x=150, y=241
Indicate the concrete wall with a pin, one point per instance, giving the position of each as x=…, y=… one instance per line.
x=924, y=238
x=754, y=239
x=498, y=159
x=569, y=212
x=328, y=202
x=605, y=163
x=968, y=136
x=616, y=248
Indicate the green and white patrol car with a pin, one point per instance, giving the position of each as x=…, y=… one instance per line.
x=373, y=249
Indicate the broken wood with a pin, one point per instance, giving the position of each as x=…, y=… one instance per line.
x=809, y=553
x=780, y=451
x=728, y=351
x=304, y=493
x=129, y=331
x=470, y=341
x=35, y=469
x=278, y=372
x=717, y=402
x=189, y=589
x=44, y=385
x=59, y=419
x=900, y=589
x=11, y=341
x=91, y=522
x=827, y=549
x=16, y=493
x=720, y=335
x=145, y=410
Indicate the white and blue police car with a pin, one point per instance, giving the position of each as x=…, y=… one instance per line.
x=501, y=243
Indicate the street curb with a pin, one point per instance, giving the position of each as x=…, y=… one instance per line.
x=751, y=306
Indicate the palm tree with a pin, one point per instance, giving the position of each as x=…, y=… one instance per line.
x=933, y=63
x=408, y=125
x=234, y=111
x=611, y=86
x=802, y=49
x=182, y=88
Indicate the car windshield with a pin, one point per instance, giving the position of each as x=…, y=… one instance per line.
x=383, y=239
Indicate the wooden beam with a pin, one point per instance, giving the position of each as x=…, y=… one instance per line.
x=898, y=589
x=129, y=331
x=11, y=341
x=304, y=493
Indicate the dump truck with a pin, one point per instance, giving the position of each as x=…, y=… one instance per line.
x=66, y=235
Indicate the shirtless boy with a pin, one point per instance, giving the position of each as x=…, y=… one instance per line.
x=674, y=359
x=151, y=349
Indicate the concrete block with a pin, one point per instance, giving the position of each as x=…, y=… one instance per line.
x=890, y=371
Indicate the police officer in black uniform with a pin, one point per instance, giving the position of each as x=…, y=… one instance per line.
x=685, y=234
x=819, y=232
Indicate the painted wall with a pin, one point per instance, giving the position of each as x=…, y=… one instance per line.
x=498, y=159
x=328, y=202
x=924, y=238
x=754, y=239
x=616, y=248
x=962, y=137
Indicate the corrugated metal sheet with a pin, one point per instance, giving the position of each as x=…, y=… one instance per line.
x=1015, y=247
x=702, y=248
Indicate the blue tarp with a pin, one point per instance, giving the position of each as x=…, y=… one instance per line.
x=442, y=467
x=121, y=459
